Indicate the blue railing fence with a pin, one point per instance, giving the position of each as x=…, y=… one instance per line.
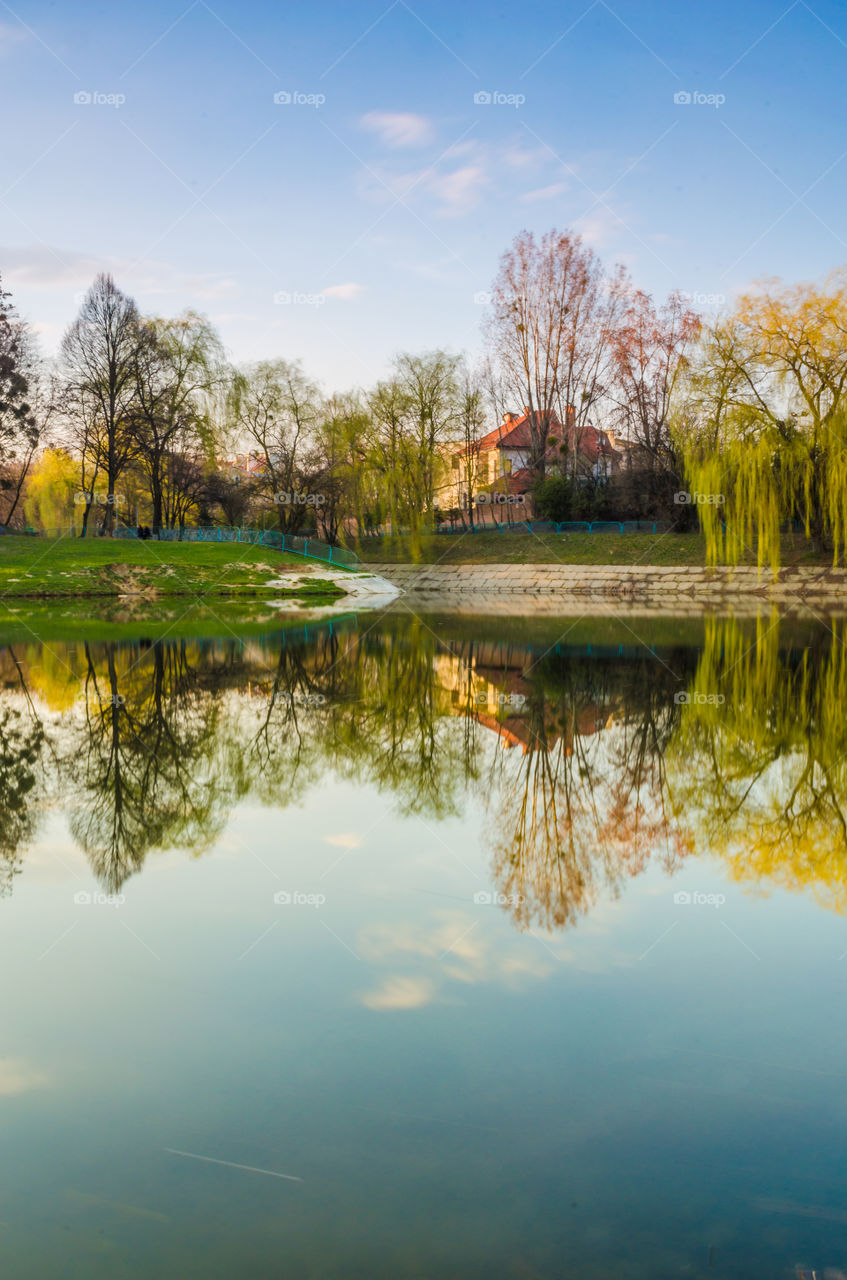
x=311, y=548
x=566, y=526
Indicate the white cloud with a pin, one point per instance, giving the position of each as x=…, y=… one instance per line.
x=398, y=128
x=602, y=229
x=452, y=192
x=400, y=993
x=518, y=156
x=211, y=286
x=40, y=266
x=454, y=943
x=347, y=291
x=544, y=193
x=459, y=191
x=440, y=269
x=45, y=267
x=16, y=1076
x=344, y=840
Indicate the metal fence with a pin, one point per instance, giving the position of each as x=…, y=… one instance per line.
x=311, y=548
x=567, y=526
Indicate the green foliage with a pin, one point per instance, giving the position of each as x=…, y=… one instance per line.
x=560, y=497
x=763, y=430
x=49, y=502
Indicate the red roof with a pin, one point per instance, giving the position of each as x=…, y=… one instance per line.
x=516, y=434
x=510, y=435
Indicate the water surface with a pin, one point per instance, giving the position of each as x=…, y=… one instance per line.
x=519, y=950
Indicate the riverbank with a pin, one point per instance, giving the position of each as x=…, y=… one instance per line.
x=111, y=569
x=605, y=549
x=546, y=589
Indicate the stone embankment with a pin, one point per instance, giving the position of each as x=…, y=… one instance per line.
x=563, y=589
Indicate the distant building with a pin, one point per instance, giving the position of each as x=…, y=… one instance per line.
x=499, y=465
x=244, y=464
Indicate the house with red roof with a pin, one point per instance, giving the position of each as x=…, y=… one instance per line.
x=498, y=466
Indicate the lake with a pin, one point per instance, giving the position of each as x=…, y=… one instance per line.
x=386, y=946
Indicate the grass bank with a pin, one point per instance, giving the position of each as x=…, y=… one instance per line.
x=63, y=568
x=566, y=548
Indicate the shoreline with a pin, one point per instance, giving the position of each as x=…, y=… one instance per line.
x=545, y=588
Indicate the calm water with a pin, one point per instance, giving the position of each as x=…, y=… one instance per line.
x=519, y=952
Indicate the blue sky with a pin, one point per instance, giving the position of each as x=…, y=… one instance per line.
x=380, y=212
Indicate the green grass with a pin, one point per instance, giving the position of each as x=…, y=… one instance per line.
x=42, y=568
x=62, y=621
x=565, y=548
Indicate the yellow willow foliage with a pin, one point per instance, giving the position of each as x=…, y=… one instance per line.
x=766, y=425
x=49, y=500
x=781, y=320
x=762, y=774
x=835, y=494
x=752, y=507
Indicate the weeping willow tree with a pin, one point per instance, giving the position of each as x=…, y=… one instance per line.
x=414, y=415
x=759, y=758
x=763, y=430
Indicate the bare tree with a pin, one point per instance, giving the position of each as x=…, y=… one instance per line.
x=277, y=409
x=21, y=423
x=471, y=416
x=177, y=365
x=650, y=346
x=552, y=313
x=99, y=354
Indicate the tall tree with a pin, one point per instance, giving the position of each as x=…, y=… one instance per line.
x=276, y=408
x=19, y=421
x=470, y=417
x=414, y=417
x=342, y=431
x=767, y=431
x=177, y=366
x=650, y=348
x=549, y=326
x=99, y=353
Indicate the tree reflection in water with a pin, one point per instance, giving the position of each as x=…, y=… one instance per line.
x=590, y=764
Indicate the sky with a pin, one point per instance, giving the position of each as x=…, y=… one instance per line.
x=336, y=182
